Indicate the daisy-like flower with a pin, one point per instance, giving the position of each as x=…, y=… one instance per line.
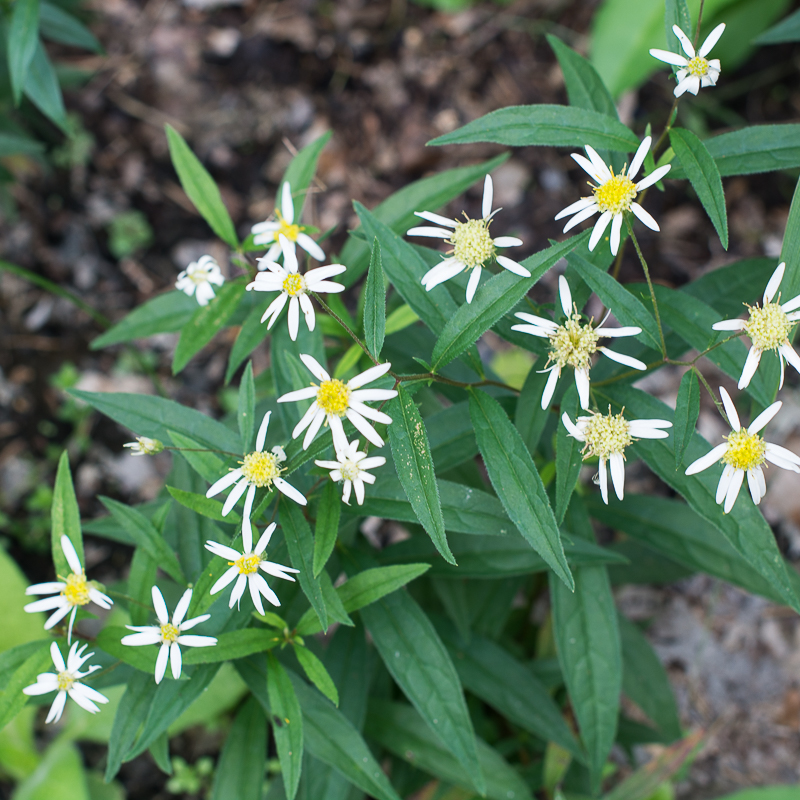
x=169, y=634
x=573, y=344
x=73, y=591
x=351, y=467
x=695, y=69
x=293, y=287
x=144, y=446
x=334, y=399
x=258, y=470
x=768, y=327
x=473, y=245
x=269, y=232
x=606, y=436
x=744, y=452
x=197, y=279
x=67, y=681
x=613, y=196
x=244, y=567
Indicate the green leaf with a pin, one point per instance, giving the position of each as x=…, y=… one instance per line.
x=624, y=306
x=205, y=323
x=163, y=314
x=516, y=481
x=568, y=455
x=300, y=543
x=65, y=518
x=787, y=30
x=146, y=536
x=375, y=302
x=645, y=681
x=206, y=506
x=141, y=578
x=704, y=176
x=327, y=526
x=494, y=300
x=420, y=665
x=201, y=188
x=42, y=89
x=57, y=25
x=12, y=699
x=400, y=729
x=209, y=466
x=250, y=336
x=240, y=770
x=676, y=13
x=60, y=775
x=301, y=170
x=246, y=413
x=131, y=713
x=23, y=34
x=530, y=418
x=551, y=125
x=287, y=724
x=790, y=249
x=764, y=793
x=316, y=673
x=687, y=410
x=412, y=460
x=232, y=645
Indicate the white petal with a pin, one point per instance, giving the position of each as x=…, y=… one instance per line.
x=488, y=195
x=314, y=276
x=577, y=206
x=46, y=604
x=616, y=333
x=764, y=417
x=708, y=460
x=584, y=163
x=278, y=570
x=629, y=361
x=358, y=485
x=81, y=699
x=310, y=246
x=197, y=641
x=45, y=588
x=733, y=490
x=159, y=605
x=472, y=286
x=226, y=578
x=190, y=623
x=616, y=227
x=754, y=486
x=92, y=694
x=369, y=375
x=644, y=217
x=337, y=431
x=263, y=588
x=433, y=233
x=261, y=437
x=684, y=40
x=346, y=489
x=773, y=457
x=54, y=715
x=293, y=318
x=651, y=423
x=600, y=166
x=691, y=84
x=550, y=386
x=233, y=497
x=574, y=432
x=370, y=413
x=263, y=541
x=512, y=266
x=729, y=325
x=42, y=687
x=791, y=305
x=507, y=241
x=654, y=177
x=58, y=659
x=299, y=394
x=581, y=216
x=372, y=462
x=311, y=414
x=255, y=595
x=533, y=330
x=724, y=483
x=730, y=409
x=161, y=662
x=282, y=486
x=599, y=229
x=782, y=452
x=182, y=608
x=366, y=395
x=603, y=480
x=313, y=429
x=582, y=383
x=71, y=555
x=100, y=599
x=224, y=482
x=57, y=616
x=638, y=159
x=787, y=351
x=441, y=272
x=315, y=367
x=287, y=205
x=774, y=282
x=534, y=320
x=265, y=227
x=364, y=427
x=711, y=40
x=565, y=295
x=617, y=464
x=437, y=218
x=274, y=309
x=670, y=58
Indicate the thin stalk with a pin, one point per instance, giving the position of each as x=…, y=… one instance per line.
x=649, y=286
x=355, y=338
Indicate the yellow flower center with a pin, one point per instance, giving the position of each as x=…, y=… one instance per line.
x=472, y=244
x=616, y=194
x=65, y=680
x=573, y=343
x=698, y=66
x=76, y=592
x=606, y=434
x=247, y=564
x=333, y=397
x=294, y=284
x=349, y=470
x=745, y=450
x=170, y=633
x=768, y=327
x=261, y=469
x=289, y=230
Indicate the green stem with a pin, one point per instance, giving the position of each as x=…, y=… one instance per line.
x=355, y=338
x=699, y=20
x=649, y=286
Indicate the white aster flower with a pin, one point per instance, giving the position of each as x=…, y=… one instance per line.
x=67, y=681
x=169, y=634
x=334, y=399
x=695, y=70
x=269, y=232
x=744, y=451
x=244, y=567
x=613, y=195
x=73, y=591
x=258, y=470
x=606, y=436
x=197, y=279
x=573, y=344
x=293, y=287
x=351, y=467
x=144, y=446
x=768, y=327
x=473, y=245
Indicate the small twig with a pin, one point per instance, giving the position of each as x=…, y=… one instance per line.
x=649, y=286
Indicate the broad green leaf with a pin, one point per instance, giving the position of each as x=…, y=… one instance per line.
x=206, y=506
x=316, y=673
x=333, y=603
x=163, y=314
x=42, y=89
x=726, y=288
x=624, y=306
x=530, y=418
x=246, y=413
x=141, y=578
x=645, y=681
x=205, y=323
x=412, y=460
x=57, y=25
x=375, y=302
x=676, y=13
x=451, y=438
x=420, y=665
x=568, y=455
x=402, y=731
x=687, y=410
x=146, y=536
x=65, y=518
x=494, y=300
x=400, y=319
x=790, y=249
x=141, y=658
x=702, y=171
x=552, y=125
x=250, y=336
x=301, y=170
x=23, y=34
x=239, y=772
x=232, y=645
x=12, y=659
x=300, y=543
x=327, y=527
x=12, y=699
x=60, y=775
x=208, y=465
x=201, y=188
x=745, y=527
x=131, y=713
x=287, y=724
x=516, y=481
x=787, y=30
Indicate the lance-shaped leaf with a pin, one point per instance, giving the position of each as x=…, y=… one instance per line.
x=375, y=302
x=250, y=336
x=557, y=126
x=412, y=460
x=687, y=410
x=59, y=26
x=239, y=772
x=327, y=527
x=201, y=188
x=301, y=170
x=787, y=30
x=245, y=415
x=568, y=455
x=65, y=518
x=676, y=12
x=287, y=724
x=132, y=711
x=42, y=89
x=23, y=34
x=516, y=481
x=704, y=176
x=315, y=671
x=12, y=699
x=790, y=249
